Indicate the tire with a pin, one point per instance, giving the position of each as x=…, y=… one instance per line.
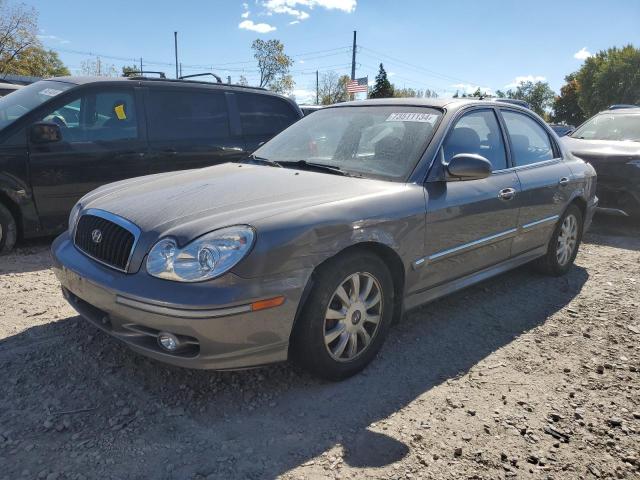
x=316, y=345
x=554, y=262
x=8, y=230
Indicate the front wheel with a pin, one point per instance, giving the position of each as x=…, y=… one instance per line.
x=564, y=243
x=346, y=317
x=8, y=230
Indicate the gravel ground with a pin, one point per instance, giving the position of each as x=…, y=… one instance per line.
x=523, y=376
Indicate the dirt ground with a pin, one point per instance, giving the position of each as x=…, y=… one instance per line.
x=522, y=376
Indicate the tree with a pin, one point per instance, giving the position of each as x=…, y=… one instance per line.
x=566, y=107
x=428, y=93
x=382, y=88
x=243, y=80
x=96, y=68
x=610, y=76
x=538, y=95
x=18, y=29
x=129, y=70
x=35, y=61
x=333, y=88
x=500, y=94
x=273, y=65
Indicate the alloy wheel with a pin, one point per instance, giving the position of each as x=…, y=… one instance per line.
x=353, y=316
x=567, y=239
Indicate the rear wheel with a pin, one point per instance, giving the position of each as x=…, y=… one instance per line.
x=564, y=243
x=8, y=230
x=346, y=317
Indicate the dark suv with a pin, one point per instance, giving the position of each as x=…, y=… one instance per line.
x=61, y=138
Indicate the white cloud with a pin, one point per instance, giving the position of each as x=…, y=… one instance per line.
x=347, y=6
x=298, y=14
x=525, y=78
x=295, y=22
x=300, y=61
x=53, y=38
x=256, y=27
x=469, y=88
x=303, y=96
x=582, y=54
x=246, y=13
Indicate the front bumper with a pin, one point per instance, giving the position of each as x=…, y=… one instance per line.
x=213, y=318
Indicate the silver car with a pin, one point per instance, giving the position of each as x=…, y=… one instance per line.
x=311, y=248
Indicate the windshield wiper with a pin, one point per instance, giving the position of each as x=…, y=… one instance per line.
x=303, y=164
x=261, y=160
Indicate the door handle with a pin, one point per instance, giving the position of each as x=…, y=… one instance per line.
x=507, y=194
x=564, y=181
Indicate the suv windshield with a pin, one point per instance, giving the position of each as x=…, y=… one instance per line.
x=370, y=141
x=611, y=126
x=22, y=101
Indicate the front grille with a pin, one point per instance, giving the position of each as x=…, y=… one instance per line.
x=111, y=246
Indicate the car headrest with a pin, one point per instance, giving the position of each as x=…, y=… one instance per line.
x=388, y=147
x=462, y=140
x=520, y=143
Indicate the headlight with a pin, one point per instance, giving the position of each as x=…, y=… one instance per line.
x=206, y=257
x=73, y=216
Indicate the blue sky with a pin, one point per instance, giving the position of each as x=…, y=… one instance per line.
x=445, y=45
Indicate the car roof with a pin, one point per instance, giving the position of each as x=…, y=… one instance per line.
x=616, y=111
x=157, y=81
x=439, y=103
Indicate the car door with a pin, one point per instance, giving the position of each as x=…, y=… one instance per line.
x=544, y=176
x=101, y=143
x=190, y=127
x=470, y=224
x=262, y=117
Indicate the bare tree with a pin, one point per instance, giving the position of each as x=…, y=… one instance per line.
x=97, y=68
x=18, y=28
x=333, y=88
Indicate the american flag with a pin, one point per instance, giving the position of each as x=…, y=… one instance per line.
x=358, y=85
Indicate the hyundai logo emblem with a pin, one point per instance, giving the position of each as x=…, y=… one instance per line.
x=96, y=236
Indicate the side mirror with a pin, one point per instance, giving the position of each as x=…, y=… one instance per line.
x=468, y=166
x=45, y=132
x=568, y=132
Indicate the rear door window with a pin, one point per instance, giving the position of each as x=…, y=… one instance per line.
x=187, y=115
x=530, y=143
x=264, y=115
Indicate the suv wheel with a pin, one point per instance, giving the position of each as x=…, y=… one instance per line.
x=564, y=243
x=346, y=317
x=8, y=230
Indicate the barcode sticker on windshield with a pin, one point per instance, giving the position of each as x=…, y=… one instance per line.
x=412, y=117
x=50, y=92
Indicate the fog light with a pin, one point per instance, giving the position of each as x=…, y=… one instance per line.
x=168, y=341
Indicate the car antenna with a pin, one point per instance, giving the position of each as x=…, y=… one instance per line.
x=201, y=75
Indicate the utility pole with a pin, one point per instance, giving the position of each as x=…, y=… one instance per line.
x=353, y=64
x=180, y=69
x=229, y=79
x=98, y=65
x=175, y=46
x=317, y=89
x=140, y=65
x=353, y=58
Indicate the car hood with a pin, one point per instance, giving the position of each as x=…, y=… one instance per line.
x=189, y=203
x=610, y=159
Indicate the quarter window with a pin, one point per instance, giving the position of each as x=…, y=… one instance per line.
x=97, y=117
x=530, y=143
x=264, y=115
x=477, y=132
x=187, y=115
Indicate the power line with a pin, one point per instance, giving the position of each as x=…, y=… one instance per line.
x=416, y=67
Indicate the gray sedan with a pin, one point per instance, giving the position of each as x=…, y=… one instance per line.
x=313, y=246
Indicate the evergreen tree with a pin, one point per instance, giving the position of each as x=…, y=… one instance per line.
x=382, y=87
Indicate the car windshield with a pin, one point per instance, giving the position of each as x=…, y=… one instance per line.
x=611, y=126
x=26, y=99
x=383, y=142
